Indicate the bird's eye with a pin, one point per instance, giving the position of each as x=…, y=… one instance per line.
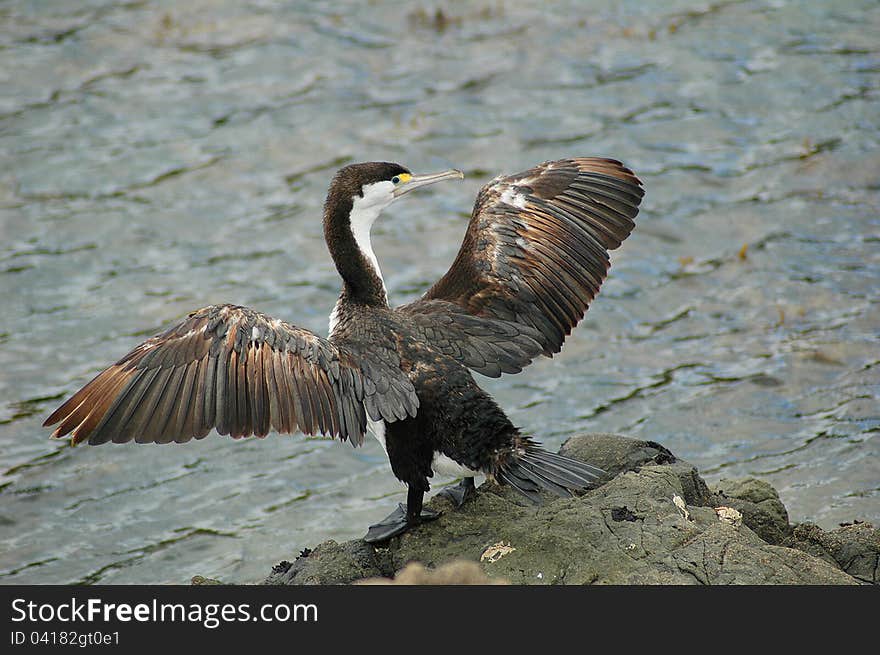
x=395, y=179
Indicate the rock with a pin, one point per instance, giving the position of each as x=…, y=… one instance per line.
x=330, y=563
x=855, y=548
x=653, y=522
x=615, y=453
x=202, y=580
x=759, y=505
x=458, y=572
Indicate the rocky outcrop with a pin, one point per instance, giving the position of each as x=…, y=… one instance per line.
x=655, y=521
x=759, y=505
x=855, y=548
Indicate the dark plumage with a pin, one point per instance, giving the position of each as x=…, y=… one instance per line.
x=533, y=258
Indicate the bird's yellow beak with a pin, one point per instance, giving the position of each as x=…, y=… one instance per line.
x=410, y=182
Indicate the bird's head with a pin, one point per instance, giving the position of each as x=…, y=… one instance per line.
x=363, y=190
x=357, y=195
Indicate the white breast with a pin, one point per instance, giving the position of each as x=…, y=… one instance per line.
x=377, y=429
x=445, y=465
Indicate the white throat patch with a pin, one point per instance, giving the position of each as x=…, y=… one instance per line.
x=364, y=212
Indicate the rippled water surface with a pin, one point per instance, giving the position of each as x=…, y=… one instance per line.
x=156, y=157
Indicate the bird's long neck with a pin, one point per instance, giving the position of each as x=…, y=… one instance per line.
x=347, y=224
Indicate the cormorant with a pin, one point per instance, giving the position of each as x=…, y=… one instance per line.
x=534, y=256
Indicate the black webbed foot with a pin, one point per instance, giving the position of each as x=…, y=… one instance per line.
x=460, y=492
x=402, y=519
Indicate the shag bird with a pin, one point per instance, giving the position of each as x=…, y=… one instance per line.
x=534, y=256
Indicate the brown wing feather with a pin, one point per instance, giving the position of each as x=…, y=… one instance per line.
x=533, y=258
x=227, y=368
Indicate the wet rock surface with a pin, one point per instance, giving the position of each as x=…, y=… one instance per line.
x=654, y=522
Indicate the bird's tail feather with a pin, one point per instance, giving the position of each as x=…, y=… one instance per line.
x=534, y=469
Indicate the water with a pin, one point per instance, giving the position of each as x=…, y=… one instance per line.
x=158, y=157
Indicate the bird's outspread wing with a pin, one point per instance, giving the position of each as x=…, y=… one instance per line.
x=533, y=258
x=231, y=369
